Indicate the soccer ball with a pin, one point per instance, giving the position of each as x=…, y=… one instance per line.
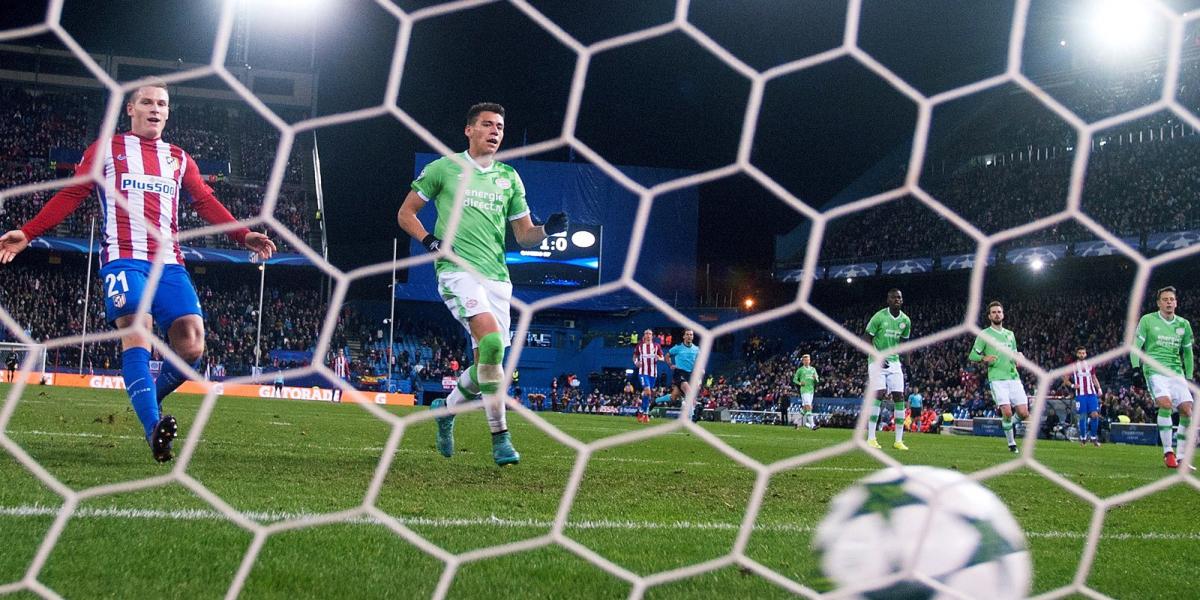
x=971, y=543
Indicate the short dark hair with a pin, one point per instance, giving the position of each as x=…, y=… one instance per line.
x=473, y=113
x=1078, y=348
x=994, y=303
x=896, y=290
x=1163, y=290
x=153, y=82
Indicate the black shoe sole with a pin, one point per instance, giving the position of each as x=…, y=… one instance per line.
x=164, y=433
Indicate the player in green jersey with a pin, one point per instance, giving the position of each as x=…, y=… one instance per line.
x=1167, y=338
x=885, y=330
x=492, y=195
x=1007, y=390
x=806, y=380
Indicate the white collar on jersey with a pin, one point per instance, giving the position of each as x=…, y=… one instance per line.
x=467, y=155
x=1164, y=319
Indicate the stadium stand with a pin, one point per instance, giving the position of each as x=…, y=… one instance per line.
x=1000, y=187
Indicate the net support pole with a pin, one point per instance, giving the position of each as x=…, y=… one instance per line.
x=392, y=315
x=262, y=280
x=87, y=294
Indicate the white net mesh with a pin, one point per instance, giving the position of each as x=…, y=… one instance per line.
x=558, y=536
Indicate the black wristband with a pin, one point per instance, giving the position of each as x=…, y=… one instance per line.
x=431, y=243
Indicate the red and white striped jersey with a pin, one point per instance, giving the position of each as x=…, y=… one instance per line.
x=647, y=355
x=149, y=174
x=341, y=367
x=1083, y=377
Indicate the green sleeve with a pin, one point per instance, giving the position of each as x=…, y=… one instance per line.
x=429, y=182
x=1185, y=352
x=873, y=325
x=1139, y=340
x=978, y=349
x=908, y=328
x=796, y=376
x=518, y=206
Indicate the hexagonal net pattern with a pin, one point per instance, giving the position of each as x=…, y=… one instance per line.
x=584, y=53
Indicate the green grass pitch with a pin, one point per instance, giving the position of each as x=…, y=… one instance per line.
x=650, y=506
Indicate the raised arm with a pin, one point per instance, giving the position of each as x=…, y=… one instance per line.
x=59, y=207
x=407, y=218
x=211, y=210
x=529, y=235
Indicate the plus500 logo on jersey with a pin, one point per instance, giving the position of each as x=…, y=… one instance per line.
x=147, y=183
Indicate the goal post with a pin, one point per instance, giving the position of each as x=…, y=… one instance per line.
x=37, y=375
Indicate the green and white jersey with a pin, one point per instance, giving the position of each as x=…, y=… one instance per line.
x=986, y=343
x=493, y=197
x=1169, y=342
x=806, y=378
x=886, y=331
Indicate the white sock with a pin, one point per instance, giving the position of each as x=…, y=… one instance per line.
x=898, y=421
x=1164, y=429
x=493, y=404
x=465, y=382
x=873, y=424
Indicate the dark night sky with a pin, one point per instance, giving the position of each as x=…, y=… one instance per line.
x=664, y=102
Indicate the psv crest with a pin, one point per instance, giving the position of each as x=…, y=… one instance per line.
x=502, y=183
x=1178, y=331
x=472, y=303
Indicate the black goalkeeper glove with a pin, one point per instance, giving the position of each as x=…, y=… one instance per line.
x=431, y=243
x=557, y=223
x=1137, y=375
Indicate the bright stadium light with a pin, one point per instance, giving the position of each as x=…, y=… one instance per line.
x=1036, y=264
x=1118, y=26
x=748, y=303
x=290, y=7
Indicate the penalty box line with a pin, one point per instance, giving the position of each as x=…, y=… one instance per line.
x=36, y=510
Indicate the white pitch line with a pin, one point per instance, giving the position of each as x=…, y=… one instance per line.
x=616, y=459
x=494, y=521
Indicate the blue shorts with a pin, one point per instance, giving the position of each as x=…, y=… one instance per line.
x=1087, y=404
x=647, y=381
x=124, y=281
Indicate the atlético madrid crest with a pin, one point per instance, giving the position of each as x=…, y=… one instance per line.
x=119, y=300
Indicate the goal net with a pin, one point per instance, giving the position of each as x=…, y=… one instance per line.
x=17, y=354
x=581, y=452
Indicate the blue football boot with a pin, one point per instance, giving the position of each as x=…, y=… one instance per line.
x=503, y=451
x=445, y=430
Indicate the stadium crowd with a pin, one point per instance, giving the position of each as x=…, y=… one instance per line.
x=1146, y=167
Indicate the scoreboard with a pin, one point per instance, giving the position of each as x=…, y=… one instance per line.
x=570, y=260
